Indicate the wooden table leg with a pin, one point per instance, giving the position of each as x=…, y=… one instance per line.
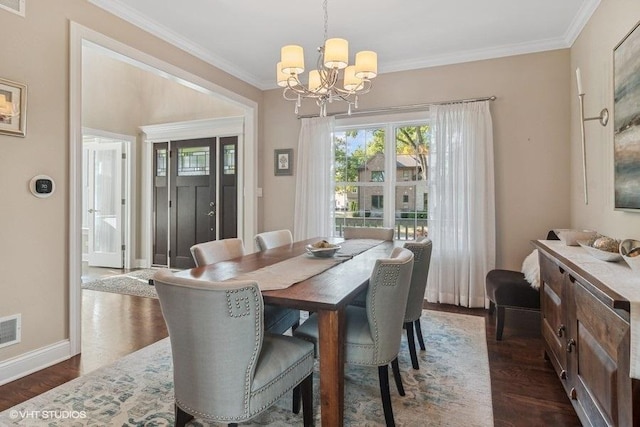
x=331, y=335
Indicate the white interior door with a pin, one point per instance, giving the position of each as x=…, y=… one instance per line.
x=104, y=204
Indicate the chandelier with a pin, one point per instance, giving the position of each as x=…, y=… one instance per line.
x=323, y=84
x=8, y=109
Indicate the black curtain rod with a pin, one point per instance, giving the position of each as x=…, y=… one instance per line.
x=398, y=108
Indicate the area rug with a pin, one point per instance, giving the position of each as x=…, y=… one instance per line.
x=132, y=283
x=451, y=388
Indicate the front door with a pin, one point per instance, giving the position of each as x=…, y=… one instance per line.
x=192, y=198
x=195, y=196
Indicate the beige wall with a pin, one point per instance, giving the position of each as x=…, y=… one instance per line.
x=119, y=97
x=531, y=130
x=34, y=239
x=593, y=53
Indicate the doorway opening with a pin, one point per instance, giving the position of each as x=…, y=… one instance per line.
x=83, y=40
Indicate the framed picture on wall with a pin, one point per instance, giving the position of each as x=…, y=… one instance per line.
x=13, y=108
x=626, y=121
x=283, y=161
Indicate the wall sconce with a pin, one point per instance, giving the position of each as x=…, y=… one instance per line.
x=603, y=118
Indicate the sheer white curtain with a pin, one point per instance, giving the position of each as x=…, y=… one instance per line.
x=461, y=204
x=314, y=201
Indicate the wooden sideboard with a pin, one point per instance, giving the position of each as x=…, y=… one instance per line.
x=586, y=330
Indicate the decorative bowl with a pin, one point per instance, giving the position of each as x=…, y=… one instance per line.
x=600, y=254
x=570, y=237
x=325, y=252
x=630, y=251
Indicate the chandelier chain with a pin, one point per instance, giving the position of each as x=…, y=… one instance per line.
x=326, y=19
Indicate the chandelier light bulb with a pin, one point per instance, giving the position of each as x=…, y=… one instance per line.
x=281, y=77
x=315, y=83
x=292, y=59
x=336, y=53
x=366, y=64
x=351, y=82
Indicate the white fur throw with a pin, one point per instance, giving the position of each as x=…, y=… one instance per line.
x=531, y=269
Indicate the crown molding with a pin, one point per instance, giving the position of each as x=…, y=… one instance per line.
x=580, y=20
x=477, y=55
x=127, y=13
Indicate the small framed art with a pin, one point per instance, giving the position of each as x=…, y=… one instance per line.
x=13, y=108
x=283, y=161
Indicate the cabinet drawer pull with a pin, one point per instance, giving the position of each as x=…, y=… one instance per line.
x=570, y=344
x=563, y=374
x=560, y=331
x=561, y=270
x=572, y=279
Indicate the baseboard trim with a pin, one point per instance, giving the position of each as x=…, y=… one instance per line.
x=32, y=361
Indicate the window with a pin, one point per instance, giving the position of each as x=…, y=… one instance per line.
x=193, y=161
x=161, y=162
x=377, y=176
x=374, y=163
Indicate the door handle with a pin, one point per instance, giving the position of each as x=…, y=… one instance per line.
x=91, y=210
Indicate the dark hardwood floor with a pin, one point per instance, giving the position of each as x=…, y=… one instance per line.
x=525, y=389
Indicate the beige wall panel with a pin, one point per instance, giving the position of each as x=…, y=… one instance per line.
x=593, y=53
x=531, y=132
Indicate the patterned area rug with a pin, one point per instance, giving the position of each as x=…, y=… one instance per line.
x=133, y=283
x=452, y=388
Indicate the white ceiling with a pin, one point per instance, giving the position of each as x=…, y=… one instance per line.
x=244, y=37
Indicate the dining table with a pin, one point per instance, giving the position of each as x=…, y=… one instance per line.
x=327, y=293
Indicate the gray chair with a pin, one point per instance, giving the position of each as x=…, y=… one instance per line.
x=421, y=259
x=373, y=333
x=276, y=319
x=379, y=233
x=216, y=251
x=273, y=239
x=225, y=368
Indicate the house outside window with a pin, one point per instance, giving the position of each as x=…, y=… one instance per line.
x=379, y=163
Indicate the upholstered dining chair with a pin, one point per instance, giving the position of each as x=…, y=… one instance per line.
x=276, y=319
x=225, y=368
x=216, y=251
x=373, y=333
x=272, y=239
x=421, y=249
x=379, y=233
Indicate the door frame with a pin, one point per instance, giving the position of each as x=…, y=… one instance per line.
x=178, y=131
x=81, y=36
x=129, y=191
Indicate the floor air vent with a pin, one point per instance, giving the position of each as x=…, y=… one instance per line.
x=10, y=330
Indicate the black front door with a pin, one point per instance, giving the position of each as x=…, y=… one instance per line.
x=186, y=208
x=192, y=198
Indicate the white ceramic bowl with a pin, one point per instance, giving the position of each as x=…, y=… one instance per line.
x=631, y=246
x=570, y=237
x=597, y=253
x=323, y=252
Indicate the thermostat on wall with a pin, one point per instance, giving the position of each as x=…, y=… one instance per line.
x=42, y=186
